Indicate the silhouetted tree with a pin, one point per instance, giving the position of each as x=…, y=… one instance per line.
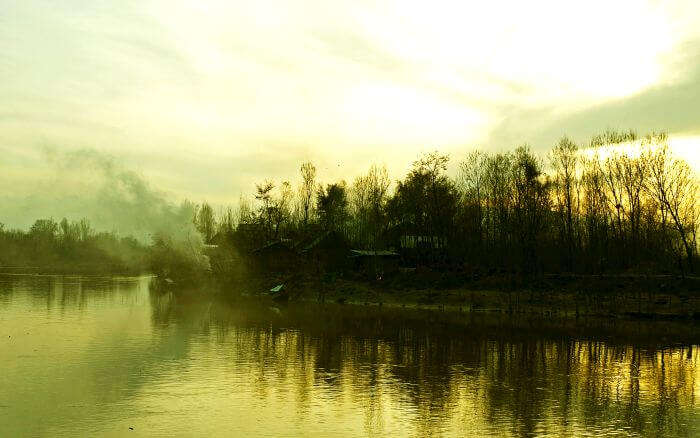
x=425, y=202
x=306, y=191
x=264, y=194
x=531, y=205
x=280, y=208
x=205, y=222
x=605, y=207
x=672, y=185
x=472, y=180
x=332, y=206
x=564, y=160
x=368, y=197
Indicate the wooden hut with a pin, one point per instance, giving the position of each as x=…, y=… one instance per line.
x=276, y=256
x=328, y=250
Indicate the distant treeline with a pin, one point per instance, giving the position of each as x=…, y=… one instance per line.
x=75, y=247
x=618, y=203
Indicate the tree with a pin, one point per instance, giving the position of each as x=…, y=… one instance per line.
x=531, y=203
x=472, y=179
x=332, y=206
x=227, y=221
x=244, y=213
x=624, y=175
x=205, y=222
x=564, y=160
x=425, y=202
x=264, y=194
x=44, y=229
x=595, y=212
x=368, y=197
x=672, y=184
x=306, y=191
x=497, y=187
x=85, y=230
x=280, y=208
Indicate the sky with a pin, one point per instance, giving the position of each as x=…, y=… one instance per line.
x=205, y=99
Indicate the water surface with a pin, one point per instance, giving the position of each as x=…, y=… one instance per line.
x=108, y=357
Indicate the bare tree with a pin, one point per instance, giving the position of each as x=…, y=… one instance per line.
x=368, y=196
x=472, y=180
x=564, y=160
x=227, y=221
x=595, y=211
x=498, y=203
x=205, y=221
x=280, y=209
x=531, y=202
x=84, y=229
x=244, y=214
x=672, y=184
x=306, y=191
x=264, y=195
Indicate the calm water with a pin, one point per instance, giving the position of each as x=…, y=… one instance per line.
x=96, y=357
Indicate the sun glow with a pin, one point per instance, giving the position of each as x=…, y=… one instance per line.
x=344, y=81
x=685, y=148
x=556, y=49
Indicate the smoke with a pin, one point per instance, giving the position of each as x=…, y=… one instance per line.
x=86, y=183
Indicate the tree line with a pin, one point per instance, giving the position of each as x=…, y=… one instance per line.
x=172, y=248
x=70, y=246
x=620, y=202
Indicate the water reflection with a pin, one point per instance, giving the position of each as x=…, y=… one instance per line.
x=107, y=354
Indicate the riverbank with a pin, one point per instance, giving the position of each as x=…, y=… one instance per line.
x=566, y=296
x=621, y=296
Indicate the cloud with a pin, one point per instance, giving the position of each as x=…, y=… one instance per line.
x=669, y=106
x=207, y=98
x=352, y=46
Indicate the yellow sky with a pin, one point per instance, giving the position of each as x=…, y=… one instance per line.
x=207, y=98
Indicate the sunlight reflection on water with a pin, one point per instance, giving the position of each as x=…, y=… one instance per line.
x=96, y=356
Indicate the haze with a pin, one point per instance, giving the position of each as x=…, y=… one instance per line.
x=204, y=99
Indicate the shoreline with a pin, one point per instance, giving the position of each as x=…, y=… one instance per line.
x=653, y=334
x=631, y=297
x=459, y=318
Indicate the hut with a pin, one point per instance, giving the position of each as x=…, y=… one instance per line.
x=276, y=256
x=328, y=250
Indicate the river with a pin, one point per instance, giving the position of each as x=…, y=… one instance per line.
x=89, y=356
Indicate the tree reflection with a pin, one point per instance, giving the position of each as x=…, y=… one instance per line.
x=432, y=371
x=378, y=371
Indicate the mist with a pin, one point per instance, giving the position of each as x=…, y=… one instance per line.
x=86, y=183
